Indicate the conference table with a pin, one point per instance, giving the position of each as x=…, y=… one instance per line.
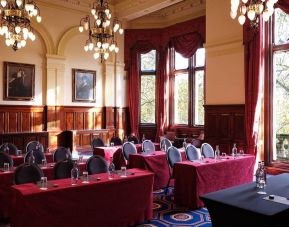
x=193, y=179
x=123, y=201
x=115, y=152
x=7, y=180
x=155, y=162
x=246, y=207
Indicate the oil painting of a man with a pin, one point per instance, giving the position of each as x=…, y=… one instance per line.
x=19, y=81
x=84, y=85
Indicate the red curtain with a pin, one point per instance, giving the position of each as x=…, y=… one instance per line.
x=284, y=5
x=254, y=63
x=141, y=47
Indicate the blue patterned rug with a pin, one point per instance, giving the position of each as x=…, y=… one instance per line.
x=167, y=214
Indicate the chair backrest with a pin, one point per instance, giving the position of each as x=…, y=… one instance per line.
x=207, y=150
x=12, y=149
x=127, y=149
x=27, y=173
x=34, y=145
x=165, y=144
x=38, y=155
x=133, y=139
x=61, y=154
x=116, y=140
x=97, y=142
x=96, y=164
x=197, y=143
x=192, y=153
x=5, y=158
x=148, y=146
x=173, y=156
x=62, y=169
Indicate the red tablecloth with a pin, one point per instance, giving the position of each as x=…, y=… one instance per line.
x=116, y=153
x=6, y=180
x=157, y=163
x=119, y=202
x=193, y=179
x=18, y=160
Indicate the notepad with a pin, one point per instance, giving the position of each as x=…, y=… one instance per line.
x=278, y=199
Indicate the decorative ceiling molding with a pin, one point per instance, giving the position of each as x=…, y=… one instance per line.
x=177, y=13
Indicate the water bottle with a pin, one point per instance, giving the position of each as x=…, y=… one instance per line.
x=258, y=175
x=184, y=144
x=31, y=159
x=6, y=148
x=217, y=152
x=111, y=169
x=74, y=173
x=264, y=172
x=234, y=151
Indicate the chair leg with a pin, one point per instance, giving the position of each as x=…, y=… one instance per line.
x=168, y=184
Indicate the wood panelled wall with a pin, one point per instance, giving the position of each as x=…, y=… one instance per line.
x=21, y=119
x=224, y=126
x=56, y=119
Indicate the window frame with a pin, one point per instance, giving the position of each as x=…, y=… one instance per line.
x=148, y=73
x=191, y=70
x=269, y=94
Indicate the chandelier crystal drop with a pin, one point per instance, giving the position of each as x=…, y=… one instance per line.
x=15, y=19
x=252, y=8
x=102, y=29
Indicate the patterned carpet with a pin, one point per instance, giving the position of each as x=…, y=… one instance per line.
x=166, y=213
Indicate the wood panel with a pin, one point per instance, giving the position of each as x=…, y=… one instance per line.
x=21, y=139
x=109, y=117
x=149, y=131
x=224, y=126
x=21, y=118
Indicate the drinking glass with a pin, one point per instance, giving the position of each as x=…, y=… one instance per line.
x=43, y=185
x=112, y=144
x=80, y=160
x=123, y=171
x=202, y=158
x=44, y=163
x=85, y=177
x=6, y=167
x=19, y=152
x=241, y=152
x=224, y=155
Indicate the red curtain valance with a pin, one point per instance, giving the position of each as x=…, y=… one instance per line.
x=187, y=44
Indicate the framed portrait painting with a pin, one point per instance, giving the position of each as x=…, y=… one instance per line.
x=18, y=81
x=83, y=85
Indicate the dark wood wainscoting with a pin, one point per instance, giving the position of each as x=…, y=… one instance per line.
x=21, y=118
x=224, y=126
x=53, y=120
x=149, y=131
x=21, y=139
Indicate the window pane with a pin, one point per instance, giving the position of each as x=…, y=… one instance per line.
x=200, y=57
x=281, y=105
x=199, y=98
x=148, y=61
x=148, y=99
x=281, y=27
x=181, y=62
x=181, y=99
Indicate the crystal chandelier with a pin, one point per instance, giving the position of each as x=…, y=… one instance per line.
x=253, y=8
x=15, y=19
x=101, y=30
